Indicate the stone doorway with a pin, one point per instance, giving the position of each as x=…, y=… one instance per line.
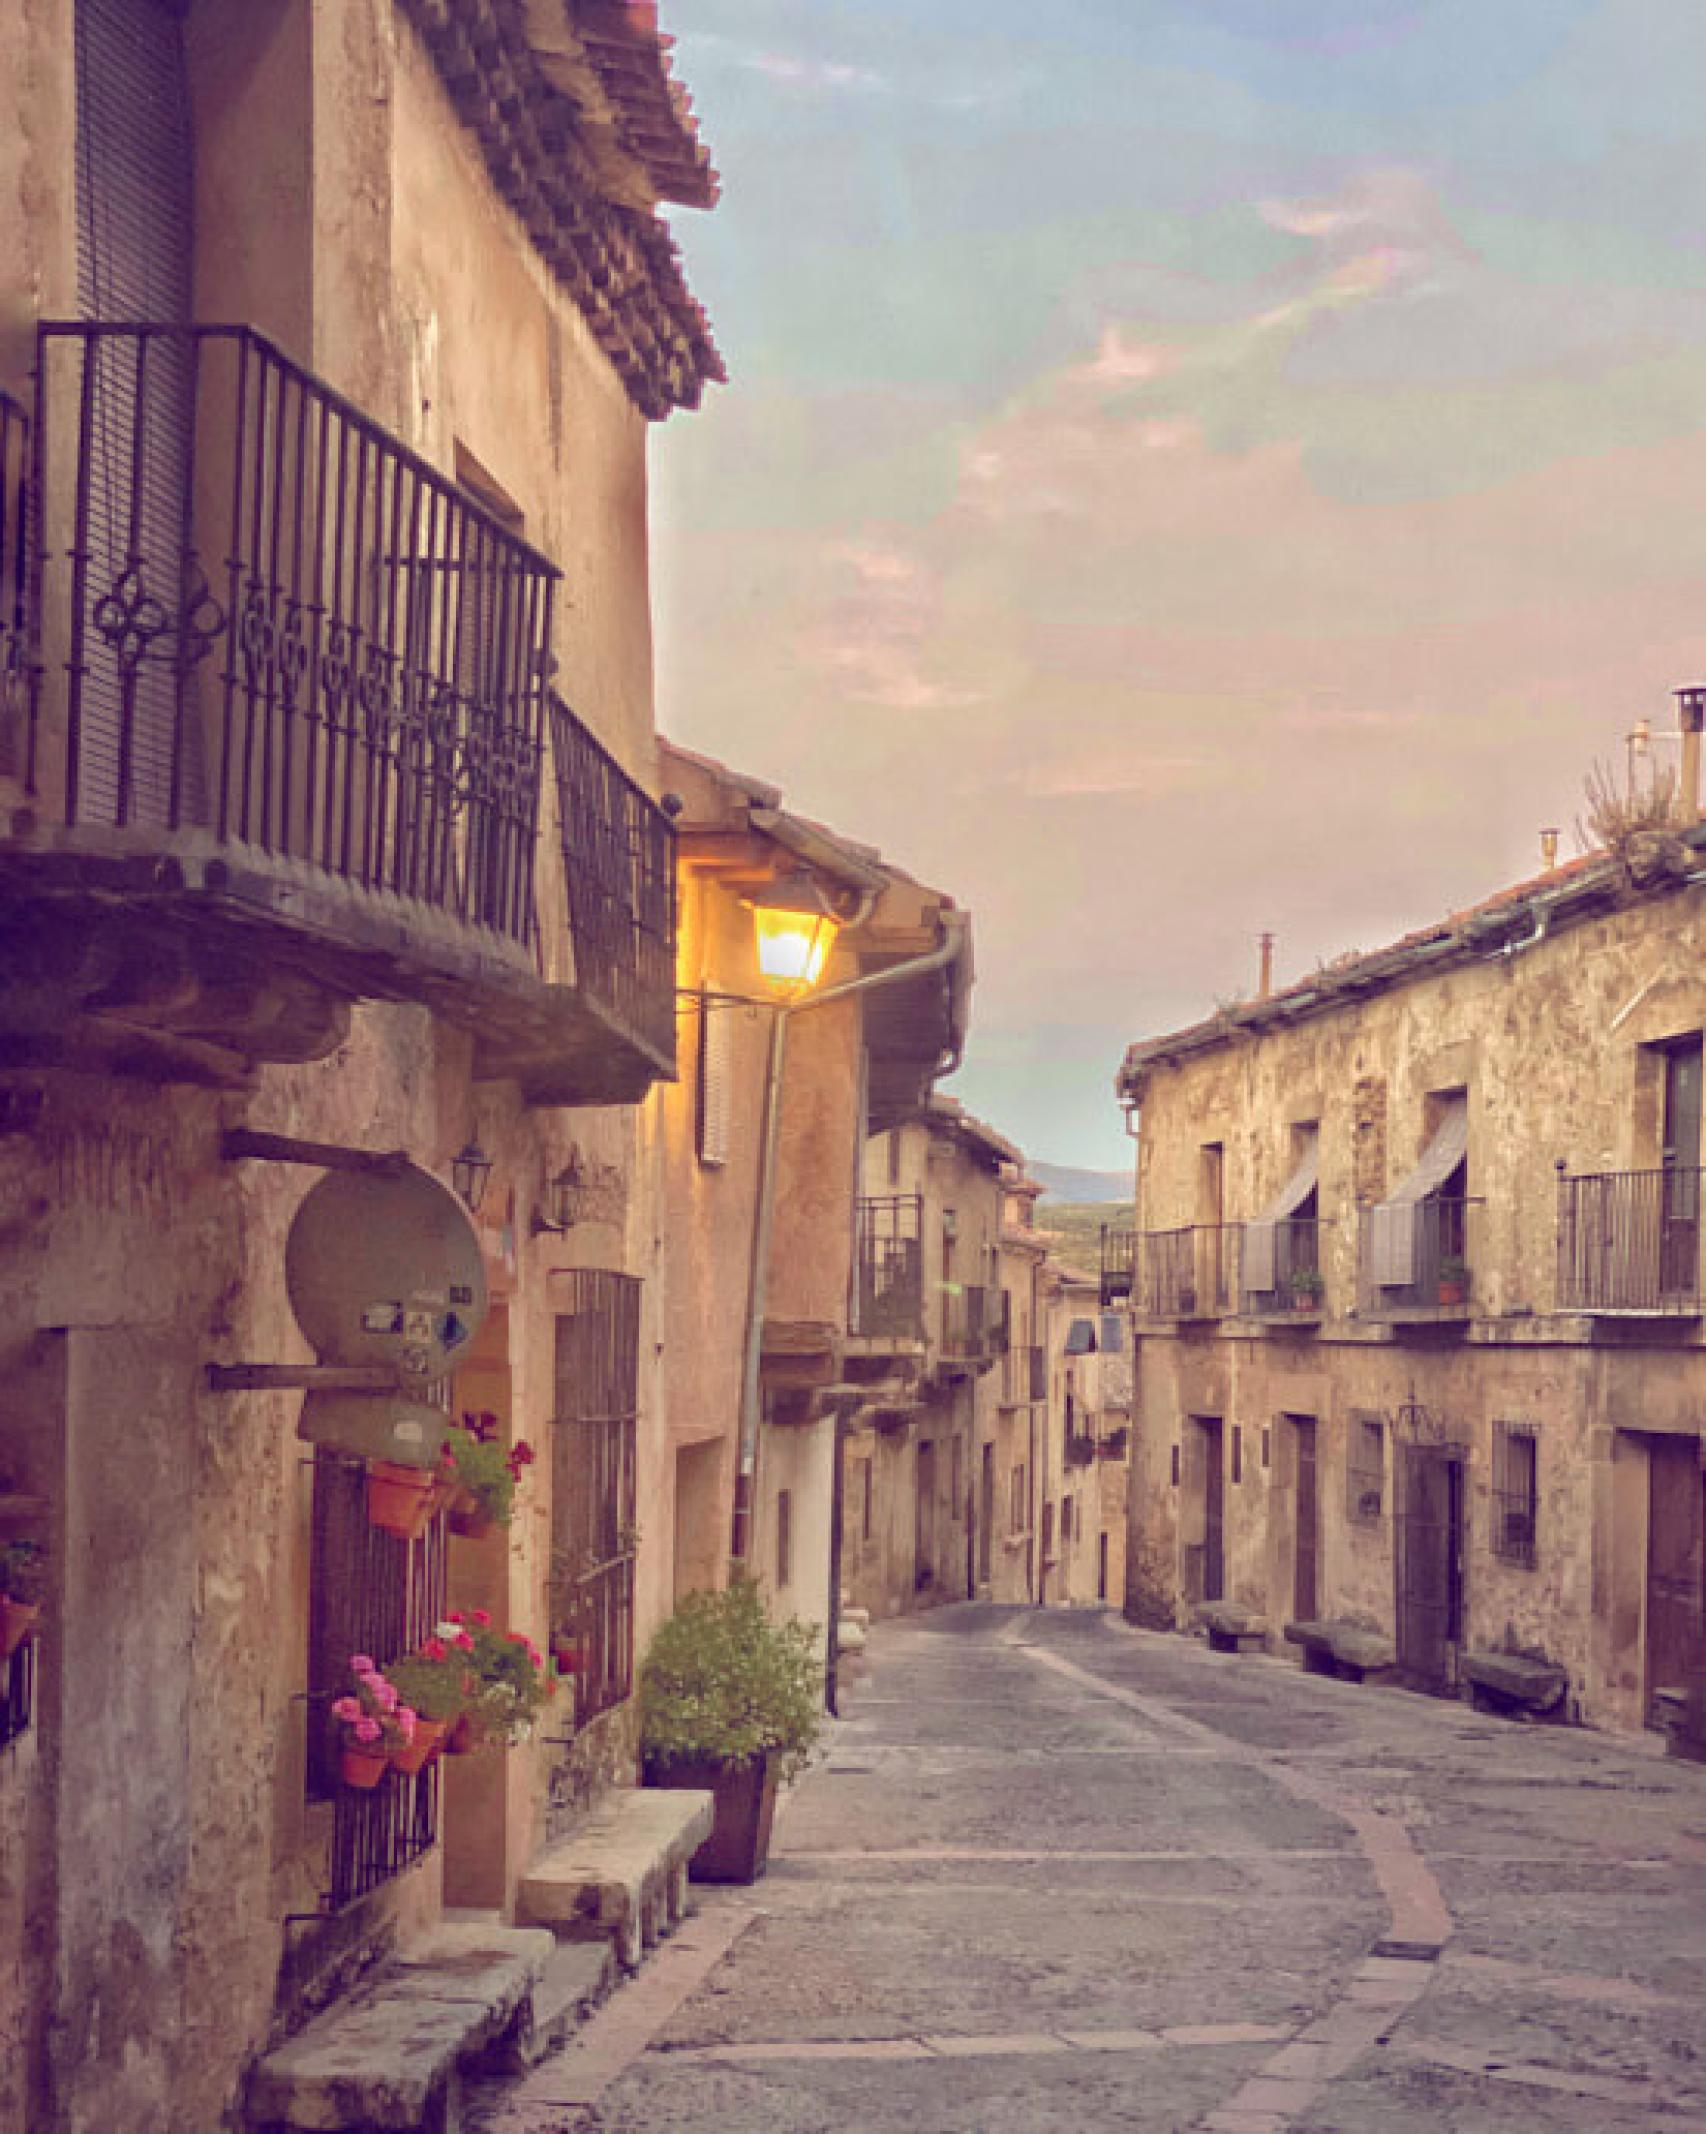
x=1676, y=1568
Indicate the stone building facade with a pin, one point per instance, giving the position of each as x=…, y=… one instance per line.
x=1086, y=1438
x=329, y=340
x=922, y=1510
x=1418, y=1297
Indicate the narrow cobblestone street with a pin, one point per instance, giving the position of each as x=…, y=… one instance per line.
x=1053, y=1872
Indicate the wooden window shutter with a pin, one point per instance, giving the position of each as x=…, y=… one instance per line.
x=716, y=1046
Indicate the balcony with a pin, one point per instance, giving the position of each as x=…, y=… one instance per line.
x=1119, y=1265
x=285, y=740
x=1629, y=1244
x=973, y=1329
x=1191, y=1273
x=1415, y=1261
x=1024, y=1377
x=1281, y=1271
x=888, y=1298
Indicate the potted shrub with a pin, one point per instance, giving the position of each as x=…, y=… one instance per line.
x=507, y=1682
x=730, y=1702
x=376, y=1724
x=1453, y=1280
x=1308, y=1286
x=480, y=1473
x=23, y=1581
x=436, y=1684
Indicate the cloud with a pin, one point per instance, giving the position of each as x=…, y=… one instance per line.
x=801, y=73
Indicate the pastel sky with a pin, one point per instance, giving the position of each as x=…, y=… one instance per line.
x=1190, y=467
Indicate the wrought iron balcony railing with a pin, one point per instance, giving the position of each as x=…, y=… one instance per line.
x=1417, y=1260
x=1190, y=1273
x=619, y=860
x=974, y=1324
x=889, y=1274
x=1119, y=1264
x=284, y=629
x=1629, y=1242
x=1281, y=1274
x=253, y=640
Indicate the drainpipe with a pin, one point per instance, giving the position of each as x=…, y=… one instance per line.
x=954, y=931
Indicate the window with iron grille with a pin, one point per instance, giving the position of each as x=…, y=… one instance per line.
x=1365, y=1470
x=1017, y=1504
x=1516, y=1492
x=369, y=1592
x=593, y=1536
x=17, y=1692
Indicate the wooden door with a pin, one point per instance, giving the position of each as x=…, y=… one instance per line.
x=924, y=1537
x=1306, y=1533
x=985, y=1513
x=1676, y=1564
x=1214, y=1510
x=1679, y=1223
x=1429, y=1564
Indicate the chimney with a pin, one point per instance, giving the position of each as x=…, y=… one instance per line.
x=1548, y=849
x=1265, y=983
x=1690, y=710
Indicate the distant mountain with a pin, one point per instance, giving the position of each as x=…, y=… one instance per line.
x=1060, y=1181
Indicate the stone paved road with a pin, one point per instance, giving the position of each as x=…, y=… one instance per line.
x=1056, y=1873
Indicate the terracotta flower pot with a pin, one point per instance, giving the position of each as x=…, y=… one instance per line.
x=1454, y=1292
x=401, y=1500
x=567, y=1655
x=738, y=1849
x=468, y=1516
x=18, y=1621
x=363, y=1767
x=415, y=1755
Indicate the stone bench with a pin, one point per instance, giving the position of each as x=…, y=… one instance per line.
x=1233, y=1629
x=1344, y=1650
x=391, y=2054
x=1511, y=1684
x=1684, y=1721
x=622, y=1876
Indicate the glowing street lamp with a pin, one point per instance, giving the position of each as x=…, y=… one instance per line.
x=796, y=929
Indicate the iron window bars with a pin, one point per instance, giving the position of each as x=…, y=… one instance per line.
x=1189, y=1273
x=593, y=1498
x=1119, y=1265
x=370, y=1592
x=889, y=1270
x=1365, y=1469
x=16, y=668
x=1516, y=1493
x=284, y=628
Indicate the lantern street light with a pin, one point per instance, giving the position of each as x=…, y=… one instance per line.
x=796, y=926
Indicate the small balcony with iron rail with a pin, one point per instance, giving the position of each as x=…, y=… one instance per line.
x=1281, y=1276
x=1024, y=1376
x=281, y=737
x=1629, y=1243
x=1189, y=1273
x=973, y=1329
x=1119, y=1265
x=1416, y=1260
x=888, y=1317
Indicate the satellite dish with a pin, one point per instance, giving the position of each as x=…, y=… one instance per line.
x=386, y=1270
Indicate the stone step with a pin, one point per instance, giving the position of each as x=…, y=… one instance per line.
x=577, y=1976
x=389, y=2055
x=622, y=1876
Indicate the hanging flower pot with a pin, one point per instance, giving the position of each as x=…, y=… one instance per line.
x=567, y=1655
x=18, y=1621
x=363, y=1767
x=469, y=1516
x=401, y=1500
x=420, y=1749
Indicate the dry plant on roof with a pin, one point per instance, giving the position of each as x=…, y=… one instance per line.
x=1619, y=810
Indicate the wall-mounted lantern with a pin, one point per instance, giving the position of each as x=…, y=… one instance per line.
x=560, y=1203
x=469, y=1174
x=796, y=929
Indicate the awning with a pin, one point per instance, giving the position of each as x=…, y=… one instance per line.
x=1392, y=1222
x=1261, y=1237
